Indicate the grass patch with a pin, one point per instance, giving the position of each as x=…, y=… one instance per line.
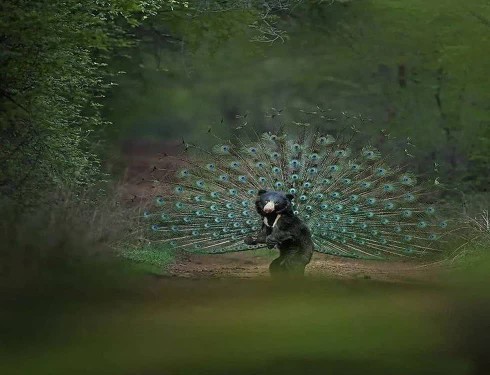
x=152, y=258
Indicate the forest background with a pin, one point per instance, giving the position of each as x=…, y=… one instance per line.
x=81, y=79
x=93, y=92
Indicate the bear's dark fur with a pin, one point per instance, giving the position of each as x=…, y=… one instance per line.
x=287, y=232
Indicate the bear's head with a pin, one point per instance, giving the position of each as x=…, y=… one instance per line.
x=273, y=203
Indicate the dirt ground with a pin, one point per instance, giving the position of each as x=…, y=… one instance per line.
x=252, y=265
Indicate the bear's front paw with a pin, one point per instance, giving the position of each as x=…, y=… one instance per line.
x=270, y=242
x=250, y=241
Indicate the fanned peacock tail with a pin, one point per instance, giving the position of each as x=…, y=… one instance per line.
x=355, y=203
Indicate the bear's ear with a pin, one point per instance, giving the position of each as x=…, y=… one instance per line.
x=290, y=197
x=262, y=191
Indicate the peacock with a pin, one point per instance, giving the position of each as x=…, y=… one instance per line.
x=355, y=202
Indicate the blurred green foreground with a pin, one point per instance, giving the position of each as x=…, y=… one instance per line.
x=105, y=318
x=69, y=305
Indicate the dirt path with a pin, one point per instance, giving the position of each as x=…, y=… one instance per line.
x=252, y=265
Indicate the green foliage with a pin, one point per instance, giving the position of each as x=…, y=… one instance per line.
x=404, y=64
x=54, y=72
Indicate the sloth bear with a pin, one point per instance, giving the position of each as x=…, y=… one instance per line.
x=282, y=228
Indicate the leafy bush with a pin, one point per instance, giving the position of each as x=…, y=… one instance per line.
x=63, y=243
x=54, y=73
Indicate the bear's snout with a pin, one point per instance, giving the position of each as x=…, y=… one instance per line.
x=269, y=207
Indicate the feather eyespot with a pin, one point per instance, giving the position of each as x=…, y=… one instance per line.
x=326, y=181
x=430, y=210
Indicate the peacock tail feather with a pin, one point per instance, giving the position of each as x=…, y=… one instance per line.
x=355, y=203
